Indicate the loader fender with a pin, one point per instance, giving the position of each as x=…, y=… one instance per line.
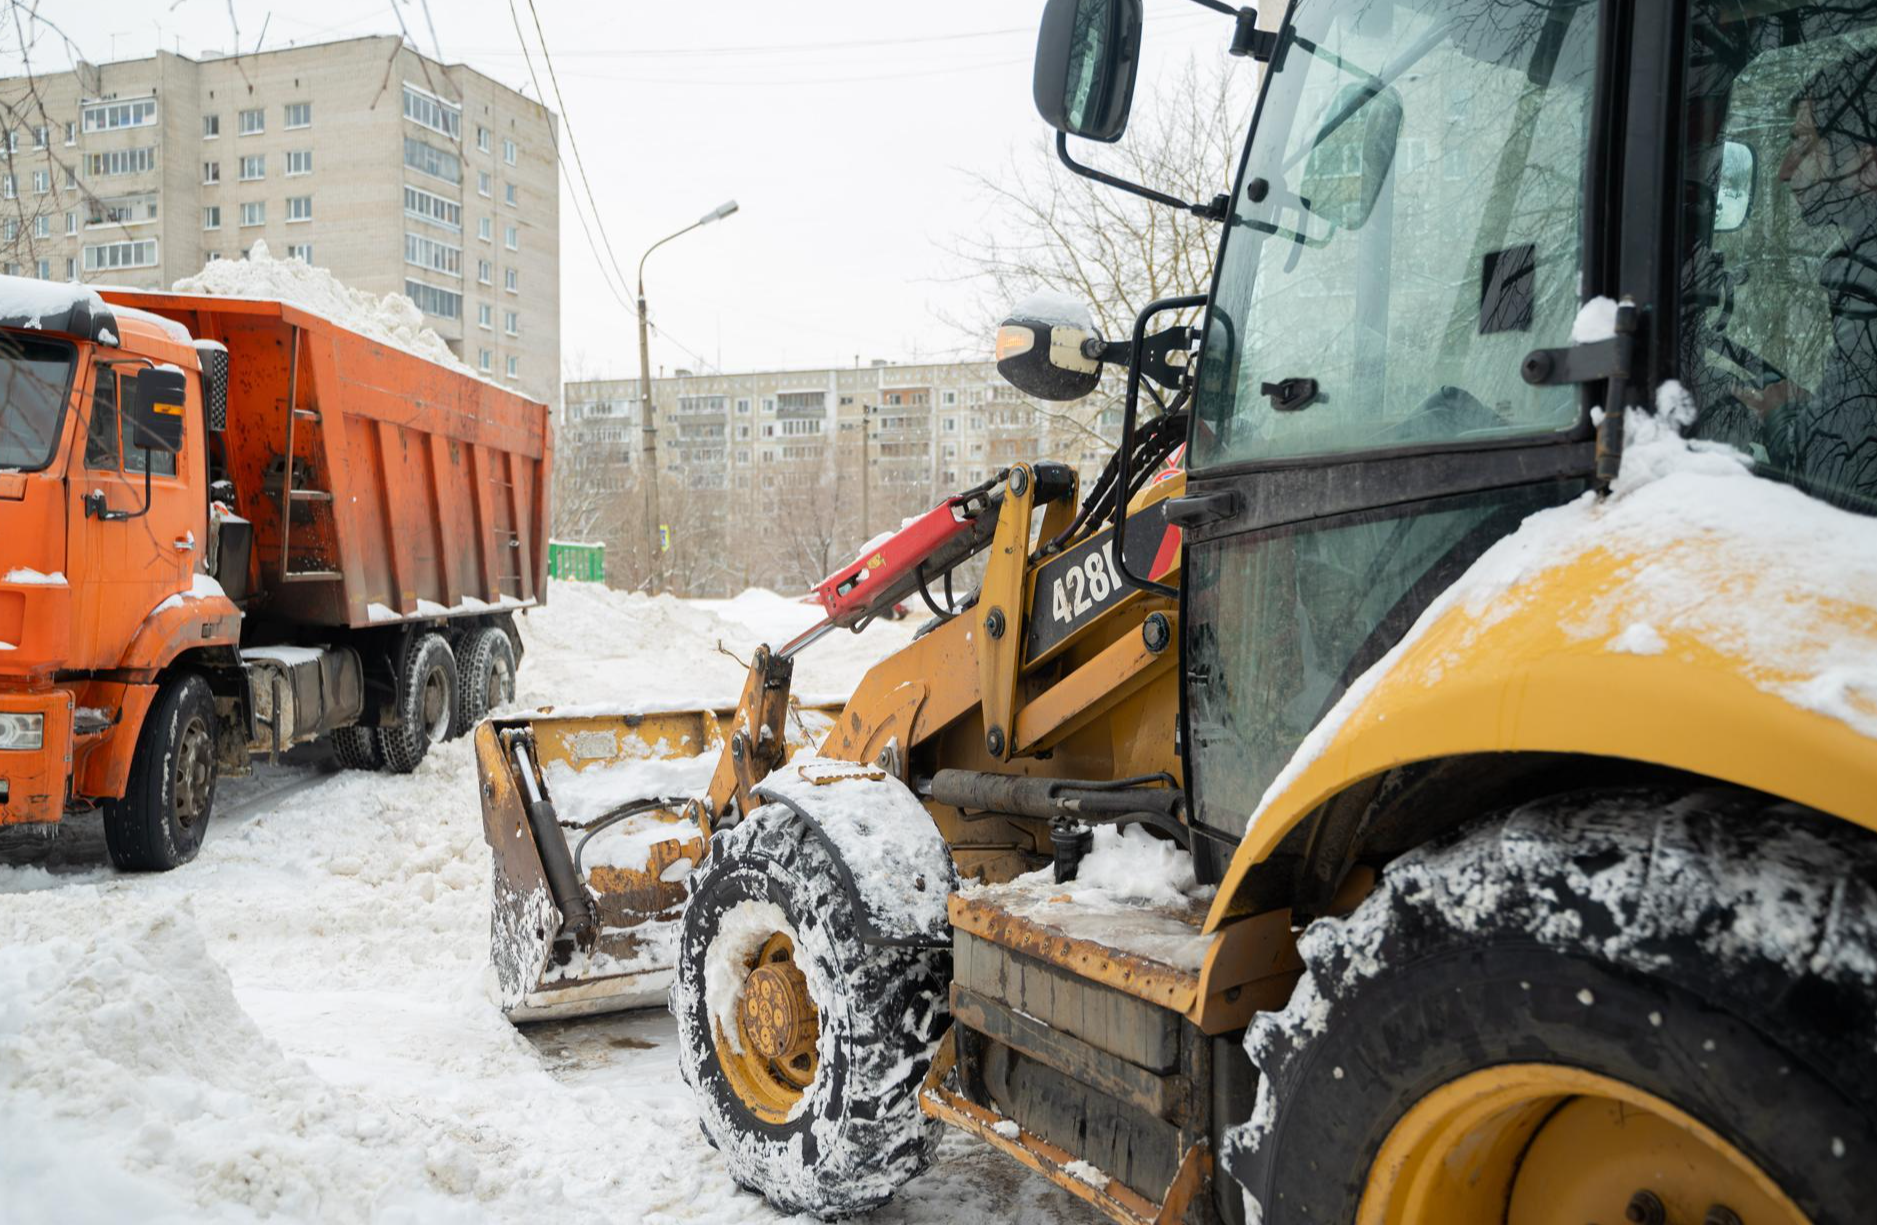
x=891, y=859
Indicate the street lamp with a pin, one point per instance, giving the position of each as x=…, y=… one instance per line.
x=648, y=427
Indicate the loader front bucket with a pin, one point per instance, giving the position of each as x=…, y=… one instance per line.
x=584, y=814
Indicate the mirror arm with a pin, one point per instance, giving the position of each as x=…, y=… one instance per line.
x=1217, y=210
x=1129, y=412
x=1248, y=39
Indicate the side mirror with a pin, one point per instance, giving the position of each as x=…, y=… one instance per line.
x=1351, y=157
x=156, y=411
x=1049, y=348
x=1087, y=55
x=1733, y=200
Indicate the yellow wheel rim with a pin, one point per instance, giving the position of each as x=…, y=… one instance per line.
x=774, y=1059
x=1541, y=1144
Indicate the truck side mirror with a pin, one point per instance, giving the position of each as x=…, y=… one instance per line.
x=1087, y=55
x=1351, y=157
x=1733, y=201
x=156, y=412
x=1049, y=349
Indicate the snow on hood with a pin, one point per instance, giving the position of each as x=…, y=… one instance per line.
x=393, y=319
x=1794, y=565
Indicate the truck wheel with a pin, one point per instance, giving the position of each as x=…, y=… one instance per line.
x=159, y=823
x=357, y=748
x=1641, y=1007
x=485, y=675
x=805, y=1049
x=426, y=703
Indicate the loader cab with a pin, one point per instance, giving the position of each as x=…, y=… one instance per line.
x=1398, y=361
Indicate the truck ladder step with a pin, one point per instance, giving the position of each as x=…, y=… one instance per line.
x=311, y=576
x=312, y=495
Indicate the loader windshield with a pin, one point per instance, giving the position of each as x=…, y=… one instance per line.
x=35, y=382
x=1406, y=230
x=1779, y=226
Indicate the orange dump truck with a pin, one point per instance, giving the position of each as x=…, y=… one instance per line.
x=229, y=526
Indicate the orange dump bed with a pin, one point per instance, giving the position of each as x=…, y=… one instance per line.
x=381, y=485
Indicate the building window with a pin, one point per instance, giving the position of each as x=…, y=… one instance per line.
x=485, y=316
x=443, y=303
x=508, y=152
x=140, y=253
x=254, y=212
x=509, y=195
x=485, y=185
x=485, y=273
x=948, y=398
x=42, y=226
x=42, y=182
x=253, y=121
x=71, y=222
x=299, y=161
x=299, y=208
x=299, y=114
x=482, y=139
x=485, y=360
x=71, y=268
x=514, y=367
x=71, y=132
x=485, y=229
x=120, y=161
x=951, y=423
x=109, y=116
x=430, y=160
x=427, y=110
x=40, y=137
x=211, y=173
x=12, y=229
x=9, y=187
x=71, y=178
x=212, y=217
x=44, y=270
x=211, y=126
x=511, y=280
x=436, y=256
x=511, y=237
x=511, y=322
x=302, y=251
x=432, y=208
x=253, y=167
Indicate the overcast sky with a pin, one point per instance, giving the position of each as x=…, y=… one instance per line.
x=848, y=130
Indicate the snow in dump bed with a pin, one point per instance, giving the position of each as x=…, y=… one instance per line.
x=1676, y=513
x=297, y=1026
x=1133, y=893
x=393, y=319
x=169, y=327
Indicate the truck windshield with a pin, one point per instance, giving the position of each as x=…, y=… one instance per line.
x=35, y=383
x=1779, y=246
x=1407, y=230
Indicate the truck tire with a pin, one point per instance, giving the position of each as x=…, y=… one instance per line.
x=1640, y=1006
x=485, y=677
x=356, y=748
x=819, y=1111
x=426, y=703
x=160, y=822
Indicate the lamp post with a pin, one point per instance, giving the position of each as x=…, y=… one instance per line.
x=647, y=423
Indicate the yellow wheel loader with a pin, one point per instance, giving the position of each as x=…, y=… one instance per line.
x=1450, y=796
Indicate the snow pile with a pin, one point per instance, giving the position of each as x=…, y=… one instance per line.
x=1132, y=892
x=1057, y=309
x=1596, y=320
x=393, y=319
x=31, y=299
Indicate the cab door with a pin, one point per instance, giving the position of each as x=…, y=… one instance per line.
x=1408, y=225
x=129, y=566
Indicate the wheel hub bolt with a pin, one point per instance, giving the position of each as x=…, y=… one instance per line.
x=1645, y=1208
x=1720, y=1214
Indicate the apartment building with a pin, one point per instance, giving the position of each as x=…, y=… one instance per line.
x=396, y=172
x=754, y=462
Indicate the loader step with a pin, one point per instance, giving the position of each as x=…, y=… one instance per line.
x=311, y=576
x=312, y=495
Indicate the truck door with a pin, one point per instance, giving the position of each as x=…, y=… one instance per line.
x=1408, y=225
x=132, y=565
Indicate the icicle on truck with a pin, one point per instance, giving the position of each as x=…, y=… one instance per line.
x=1504, y=659
x=228, y=527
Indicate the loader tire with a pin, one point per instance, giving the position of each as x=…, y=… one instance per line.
x=170, y=792
x=849, y=1137
x=485, y=678
x=1561, y=1011
x=356, y=748
x=426, y=703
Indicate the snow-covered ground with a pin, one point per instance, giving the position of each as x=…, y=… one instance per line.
x=296, y=1027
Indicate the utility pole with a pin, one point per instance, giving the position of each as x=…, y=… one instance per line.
x=866, y=474
x=648, y=424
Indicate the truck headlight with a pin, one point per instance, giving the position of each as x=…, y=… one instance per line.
x=22, y=731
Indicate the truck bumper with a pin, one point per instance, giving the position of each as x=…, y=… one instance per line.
x=33, y=780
